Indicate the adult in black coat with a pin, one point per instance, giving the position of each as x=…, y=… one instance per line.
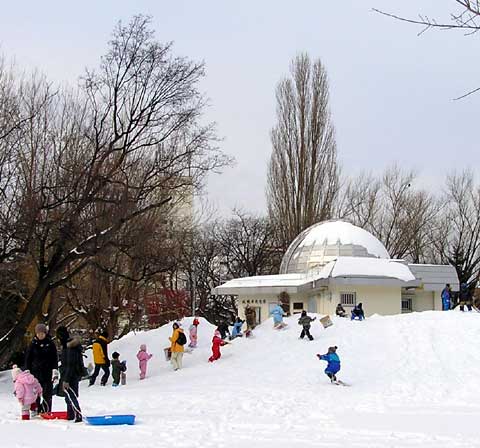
x=224, y=330
x=71, y=371
x=42, y=361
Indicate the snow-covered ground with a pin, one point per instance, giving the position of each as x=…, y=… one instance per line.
x=414, y=382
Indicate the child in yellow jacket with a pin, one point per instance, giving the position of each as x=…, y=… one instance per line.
x=177, y=341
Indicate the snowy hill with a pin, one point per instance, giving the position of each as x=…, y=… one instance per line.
x=414, y=383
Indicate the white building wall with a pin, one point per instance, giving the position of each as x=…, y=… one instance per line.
x=437, y=300
x=384, y=300
x=259, y=301
x=423, y=300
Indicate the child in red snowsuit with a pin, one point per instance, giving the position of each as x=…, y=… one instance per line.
x=217, y=342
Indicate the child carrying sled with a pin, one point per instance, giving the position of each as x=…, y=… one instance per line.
x=143, y=358
x=27, y=391
x=117, y=368
x=217, y=342
x=333, y=366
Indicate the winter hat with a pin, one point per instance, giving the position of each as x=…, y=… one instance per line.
x=15, y=372
x=196, y=321
x=332, y=349
x=217, y=334
x=143, y=347
x=41, y=328
x=104, y=333
x=115, y=355
x=304, y=313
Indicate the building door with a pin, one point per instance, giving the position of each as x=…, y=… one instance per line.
x=312, y=305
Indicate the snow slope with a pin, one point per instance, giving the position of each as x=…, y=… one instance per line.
x=414, y=383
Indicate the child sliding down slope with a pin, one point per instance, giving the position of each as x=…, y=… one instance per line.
x=333, y=366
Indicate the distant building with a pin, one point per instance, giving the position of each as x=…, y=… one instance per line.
x=336, y=262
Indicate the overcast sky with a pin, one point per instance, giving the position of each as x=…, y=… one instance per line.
x=391, y=91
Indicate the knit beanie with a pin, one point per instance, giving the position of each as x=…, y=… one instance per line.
x=15, y=372
x=41, y=328
x=143, y=347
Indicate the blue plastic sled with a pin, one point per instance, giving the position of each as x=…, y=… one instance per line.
x=103, y=420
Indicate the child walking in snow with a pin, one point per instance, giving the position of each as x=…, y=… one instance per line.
x=333, y=366
x=27, y=391
x=143, y=358
x=217, y=342
x=117, y=368
x=305, y=321
x=193, y=333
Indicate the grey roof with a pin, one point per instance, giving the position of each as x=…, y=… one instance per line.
x=434, y=277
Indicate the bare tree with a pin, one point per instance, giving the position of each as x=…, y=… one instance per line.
x=303, y=172
x=93, y=162
x=457, y=237
x=464, y=17
x=248, y=245
x=392, y=209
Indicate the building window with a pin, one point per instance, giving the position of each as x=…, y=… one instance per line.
x=348, y=298
x=406, y=305
x=297, y=306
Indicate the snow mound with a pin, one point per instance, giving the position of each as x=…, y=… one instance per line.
x=413, y=383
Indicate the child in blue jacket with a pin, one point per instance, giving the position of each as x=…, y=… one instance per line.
x=333, y=366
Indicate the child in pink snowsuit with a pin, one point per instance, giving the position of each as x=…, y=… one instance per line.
x=143, y=358
x=27, y=390
x=193, y=333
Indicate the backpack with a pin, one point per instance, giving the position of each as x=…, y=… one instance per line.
x=182, y=339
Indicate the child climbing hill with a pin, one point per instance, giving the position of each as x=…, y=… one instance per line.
x=217, y=342
x=193, y=330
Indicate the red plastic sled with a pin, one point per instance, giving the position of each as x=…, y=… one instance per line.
x=59, y=415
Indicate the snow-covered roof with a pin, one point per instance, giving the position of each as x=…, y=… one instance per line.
x=373, y=270
x=326, y=241
x=371, y=267
x=268, y=280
